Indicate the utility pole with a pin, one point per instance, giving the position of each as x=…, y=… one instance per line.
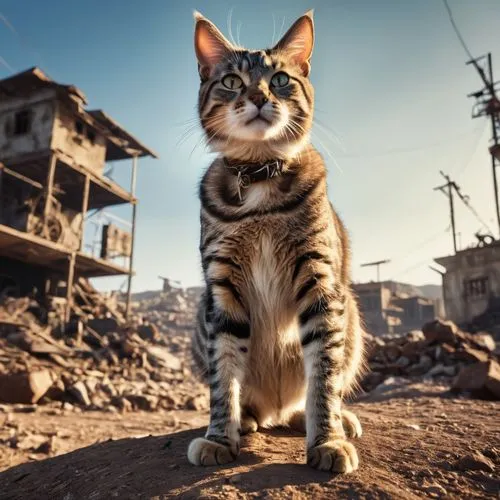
x=447, y=189
x=488, y=104
x=376, y=263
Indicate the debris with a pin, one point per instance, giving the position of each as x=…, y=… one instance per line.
x=79, y=392
x=440, y=331
x=475, y=461
x=24, y=387
x=482, y=376
x=440, y=351
x=196, y=403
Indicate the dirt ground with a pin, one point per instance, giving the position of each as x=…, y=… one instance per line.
x=413, y=446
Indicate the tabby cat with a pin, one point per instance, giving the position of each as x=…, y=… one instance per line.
x=279, y=337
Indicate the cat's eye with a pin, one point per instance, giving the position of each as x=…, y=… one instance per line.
x=280, y=79
x=232, y=82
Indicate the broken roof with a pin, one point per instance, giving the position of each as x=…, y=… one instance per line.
x=120, y=144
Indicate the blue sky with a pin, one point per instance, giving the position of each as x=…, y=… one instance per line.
x=391, y=85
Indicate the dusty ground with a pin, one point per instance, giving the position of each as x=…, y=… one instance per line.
x=413, y=447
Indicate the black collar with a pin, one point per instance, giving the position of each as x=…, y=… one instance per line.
x=249, y=173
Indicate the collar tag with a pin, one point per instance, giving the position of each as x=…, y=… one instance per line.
x=248, y=173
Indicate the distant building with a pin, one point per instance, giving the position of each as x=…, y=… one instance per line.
x=471, y=283
x=392, y=307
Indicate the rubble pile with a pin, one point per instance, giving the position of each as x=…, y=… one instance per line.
x=442, y=352
x=100, y=361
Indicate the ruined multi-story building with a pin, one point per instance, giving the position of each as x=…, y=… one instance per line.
x=53, y=153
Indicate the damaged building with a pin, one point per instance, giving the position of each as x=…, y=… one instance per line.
x=53, y=153
x=389, y=307
x=471, y=284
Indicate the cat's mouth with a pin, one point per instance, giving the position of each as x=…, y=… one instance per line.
x=257, y=118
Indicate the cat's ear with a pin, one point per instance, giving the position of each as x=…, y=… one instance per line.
x=210, y=45
x=298, y=42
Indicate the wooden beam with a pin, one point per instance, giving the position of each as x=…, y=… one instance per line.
x=133, y=183
x=69, y=287
x=49, y=188
x=85, y=204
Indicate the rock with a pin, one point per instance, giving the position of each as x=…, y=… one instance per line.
x=162, y=356
x=412, y=349
x=415, y=427
x=79, y=392
x=479, y=377
x=470, y=355
x=26, y=387
x=475, y=461
x=168, y=402
x=434, y=490
x=29, y=442
x=196, y=403
x=91, y=385
x=392, y=352
x=56, y=391
x=440, y=369
x=143, y=401
x=47, y=447
x=484, y=340
x=121, y=403
x=103, y=325
x=440, y=331
x=148, y=331
x=402, y=362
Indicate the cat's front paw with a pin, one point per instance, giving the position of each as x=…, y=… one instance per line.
x=202, y=451
x=337, y=455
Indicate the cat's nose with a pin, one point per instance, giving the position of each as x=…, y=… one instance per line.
x=258, y=98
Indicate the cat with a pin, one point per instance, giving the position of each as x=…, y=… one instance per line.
x=279, y=336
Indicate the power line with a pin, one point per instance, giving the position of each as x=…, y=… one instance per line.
x=421, y=244
x=457, y=31
x=469, y=161
x=3, y=62
x=21, y=39
x=403, y=150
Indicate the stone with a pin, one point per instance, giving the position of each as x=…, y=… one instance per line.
x=479, y=377
x=440, y=331
x=143, y=401
x=26, y=387
x=484, y=340
x=91, y=385
x=475, y=461
x=56, y=391
x=47, y=446
x=434, y=490
x=412, y=349
x=196, y=403
x=122, y=403
x=148, y=331
x=162, y=356
x=470, y=355
x=79, y=392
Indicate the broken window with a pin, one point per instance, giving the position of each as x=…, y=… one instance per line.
x=91, y=135
x=79, y=127
x=22, y=122
x=476, y=288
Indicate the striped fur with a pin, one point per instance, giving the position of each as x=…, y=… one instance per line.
x=278, y=329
